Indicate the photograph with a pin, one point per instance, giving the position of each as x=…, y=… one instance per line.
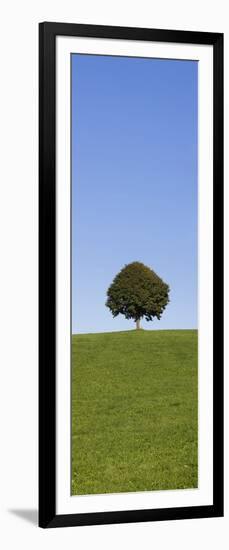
x=134, y=274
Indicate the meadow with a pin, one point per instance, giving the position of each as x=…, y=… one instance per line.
x=134, y=411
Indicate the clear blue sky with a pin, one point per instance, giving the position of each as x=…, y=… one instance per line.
x=134, y=183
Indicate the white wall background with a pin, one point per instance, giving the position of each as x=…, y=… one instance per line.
x=18, y=270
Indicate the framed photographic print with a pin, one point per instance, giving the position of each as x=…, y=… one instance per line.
x=131, y=275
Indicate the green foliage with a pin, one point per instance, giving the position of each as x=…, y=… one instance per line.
x=134, y=411
x=137, y=292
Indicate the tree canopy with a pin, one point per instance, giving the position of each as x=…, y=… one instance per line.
x=137, y=292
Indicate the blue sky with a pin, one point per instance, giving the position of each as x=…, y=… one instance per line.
x=134, y=183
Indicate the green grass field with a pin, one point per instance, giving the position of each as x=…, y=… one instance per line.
x=134, y=411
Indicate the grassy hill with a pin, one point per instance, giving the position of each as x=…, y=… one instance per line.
x=134, y=411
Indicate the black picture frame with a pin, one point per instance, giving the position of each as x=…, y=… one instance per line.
x=47, y=274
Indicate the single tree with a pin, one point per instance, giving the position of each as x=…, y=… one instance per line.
x=137, y=292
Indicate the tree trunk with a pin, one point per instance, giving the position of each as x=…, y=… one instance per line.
x=138, y=324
